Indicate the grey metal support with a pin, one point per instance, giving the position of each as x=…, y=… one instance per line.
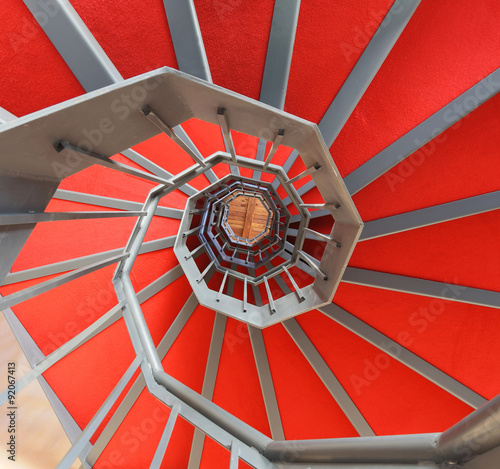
x=279, y=52
x=156, y=169
x=205, y=272
x=366, y=68
x=245, y=295
x=30, y=292
x=184, y=137
x=313, y=214
x=324, y=207
x=110, y=202
x=374, y=450
x=68, y=459
x=165, y=438
x=186, y=36
x=328, y=378
x=474, y=435
x=431, y=215
x=294, y=284
x=301, y=190
x=320, y=236
x=274, y=147
x=151, y=115
x=235, y=455
x=272, y=307
x=278, y=60
x=222, y=285
x=266, y=383
x=226, y=132
x=313, y=264
x=23, y=218
x=261, y=153
x=403, y=355
x=417, y=286
x=424, y=132
x=305, y=173
x=287, y=165
x=73, y=40
x=84, y=156
x=211, y=369
x=78, y=262
x=208, y=388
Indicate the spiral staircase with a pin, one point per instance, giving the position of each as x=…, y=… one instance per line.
x=255, y=234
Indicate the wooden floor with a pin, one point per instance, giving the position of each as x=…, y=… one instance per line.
x=247, y=216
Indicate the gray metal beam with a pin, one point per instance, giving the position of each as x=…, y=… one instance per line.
x=279, y=52
x=111, y=202
x=313, y=214
x=431, y=215
x=76, y=44
x=266, y=383
x=30, y=292
x=209, y=380
x=184, y=137
x=328, y=378
x=424, y=132
x=186, y=36
x=64, y=266
x=210, y=377
x=165, y=438
x=23, y=218
x=375, y=450
x=156, y=169
x=89, y=157
x=403, y=355
x=417, y=286
x=235, y=456
x=366, y=68
x=140, y=384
